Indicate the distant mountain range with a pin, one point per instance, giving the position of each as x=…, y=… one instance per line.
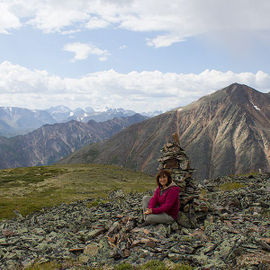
x=224, y=133
x=18, y=121
x=14, y=121
x=50, y=143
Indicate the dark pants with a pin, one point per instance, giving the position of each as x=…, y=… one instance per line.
x=155, y=218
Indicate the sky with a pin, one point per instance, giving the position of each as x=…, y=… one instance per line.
x=142, y=55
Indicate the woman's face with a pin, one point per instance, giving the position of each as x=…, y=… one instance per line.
x=163, y=180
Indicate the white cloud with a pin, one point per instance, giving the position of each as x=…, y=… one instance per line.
x=174, y=21
x=83, y=50
x=55, y=16
x=155, y=90
x=96, y=23
x=71, y=32
x=163, y=41
x=7, y=19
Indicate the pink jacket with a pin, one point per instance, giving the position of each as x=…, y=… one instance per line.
x=167, y=202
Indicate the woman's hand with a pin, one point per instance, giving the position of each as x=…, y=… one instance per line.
x=148, y=211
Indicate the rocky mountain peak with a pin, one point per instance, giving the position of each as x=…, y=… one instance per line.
x=223, y=133
x=238, y=92
x=59, y=109
x=239, y=95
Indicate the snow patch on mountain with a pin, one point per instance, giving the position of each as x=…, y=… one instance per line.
x=256, y=107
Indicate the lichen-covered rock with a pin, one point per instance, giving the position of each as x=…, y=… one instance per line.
x=231, y=236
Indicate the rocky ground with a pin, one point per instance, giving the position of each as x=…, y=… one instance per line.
x=234, y=235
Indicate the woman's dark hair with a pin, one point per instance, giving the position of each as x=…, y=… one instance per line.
x=164, y=173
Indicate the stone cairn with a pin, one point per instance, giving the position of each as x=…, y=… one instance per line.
x=193, y=208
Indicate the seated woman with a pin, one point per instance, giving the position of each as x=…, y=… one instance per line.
x=163, y=207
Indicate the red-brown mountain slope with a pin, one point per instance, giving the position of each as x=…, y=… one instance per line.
x=226, y=132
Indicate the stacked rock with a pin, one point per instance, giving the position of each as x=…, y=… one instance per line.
x=174, y=159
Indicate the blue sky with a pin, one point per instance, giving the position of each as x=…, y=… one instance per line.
x=140, y=55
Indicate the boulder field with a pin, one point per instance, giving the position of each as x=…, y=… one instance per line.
x=235, y=234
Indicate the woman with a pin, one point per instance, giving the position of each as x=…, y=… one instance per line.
x=163, y=207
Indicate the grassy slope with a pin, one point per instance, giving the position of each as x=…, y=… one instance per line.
x=32, y=188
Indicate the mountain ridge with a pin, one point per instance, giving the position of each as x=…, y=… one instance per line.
x=20, y=121
x=50, y=143
x=223, y=133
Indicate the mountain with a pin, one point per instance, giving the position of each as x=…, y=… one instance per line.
x=5, y=128
x=64, y=114
x=151, y=114
x=60, y=113
x=88, y=113
x=14, y=121
x=53, y=142
x=18, y=121
x=224, y=133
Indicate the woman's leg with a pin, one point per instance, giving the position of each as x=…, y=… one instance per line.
x=159, y=218
x=154, y=218
x=145, y=203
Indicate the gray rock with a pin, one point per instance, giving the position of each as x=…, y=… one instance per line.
x=108, y=234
